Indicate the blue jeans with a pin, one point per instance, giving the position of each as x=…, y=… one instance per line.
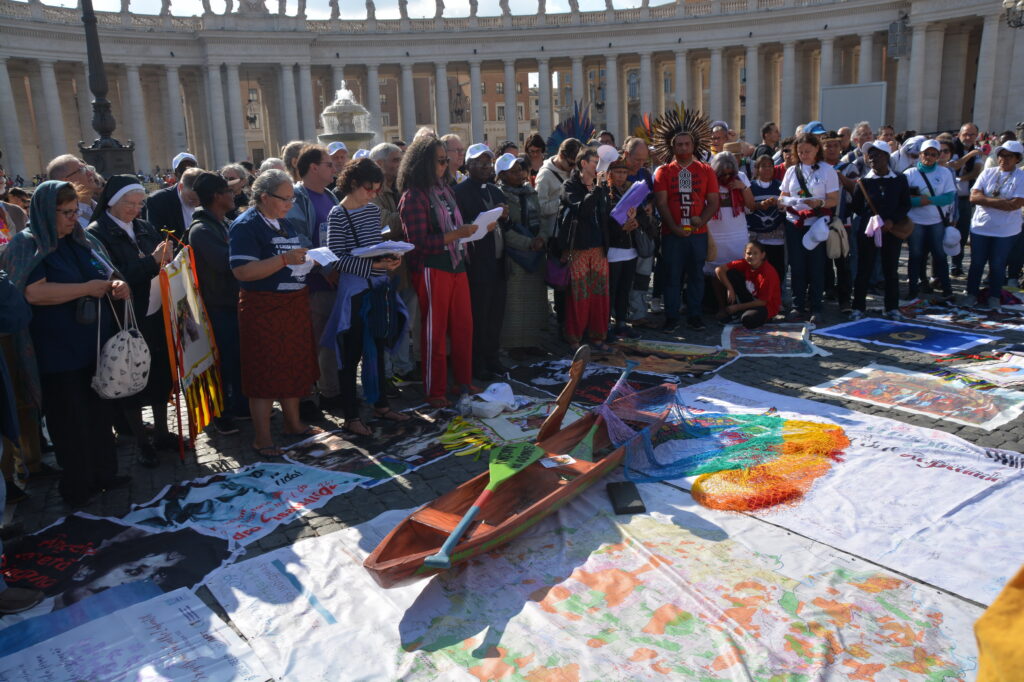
x=925, y=240
x=806, y=270
x=965, y=211
x=225, y=332
x=684, y=256
x=994, y=251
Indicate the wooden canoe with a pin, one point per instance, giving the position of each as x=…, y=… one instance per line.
x=519, y=503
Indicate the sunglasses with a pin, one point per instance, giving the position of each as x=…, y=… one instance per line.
x=442, y=162
x=290, y=200
x=69, y=212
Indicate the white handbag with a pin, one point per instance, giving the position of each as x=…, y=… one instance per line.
x=122, y=366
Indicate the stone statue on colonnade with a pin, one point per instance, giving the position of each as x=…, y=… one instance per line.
x=473, y=7
x=371, y=10
x=403, y=9
x=438, y=9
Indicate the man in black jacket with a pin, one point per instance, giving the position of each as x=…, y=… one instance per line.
x=485, y=266
x=171, y=208
x=208, y=237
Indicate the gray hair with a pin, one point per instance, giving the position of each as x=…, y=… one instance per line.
x=449, y=137
x=235, y=168
x=724, y=162
x=383, y=151
x=863, y=125
x=272, y=163
x=58, y=167
x=267, y=182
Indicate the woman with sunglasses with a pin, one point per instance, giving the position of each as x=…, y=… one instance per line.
x=536, y=148
x=278, y=353
x=932, y=195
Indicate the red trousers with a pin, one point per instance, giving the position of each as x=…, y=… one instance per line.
x=587, y=306
x=445, y=314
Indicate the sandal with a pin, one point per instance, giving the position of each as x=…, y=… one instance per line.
x=268, y=451
x=350, y=423
x=391, y=415
x=308, y=433
x=439, y=402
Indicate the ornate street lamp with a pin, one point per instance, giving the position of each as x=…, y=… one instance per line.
x=1014, y=13
x=106, y=154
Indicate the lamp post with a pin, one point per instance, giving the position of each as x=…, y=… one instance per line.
x=106, y=154
x=1014, y=13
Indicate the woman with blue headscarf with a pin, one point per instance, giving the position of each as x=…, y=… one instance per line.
x=64, y=276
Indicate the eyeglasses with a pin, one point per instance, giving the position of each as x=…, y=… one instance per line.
x=290, y=200
x=372, y=189
x=68, y=212
x=442, y=162
x=74, y=172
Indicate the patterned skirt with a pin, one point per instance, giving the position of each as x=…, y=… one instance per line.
x=278, y=351
x=588, y=304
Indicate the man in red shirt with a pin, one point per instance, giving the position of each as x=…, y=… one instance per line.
x=686, y=194
x=752, y=288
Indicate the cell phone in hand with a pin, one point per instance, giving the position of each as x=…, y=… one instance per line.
x=625, y=497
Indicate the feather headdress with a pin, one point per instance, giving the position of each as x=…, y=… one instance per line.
x=578, y=125
x=675, y=121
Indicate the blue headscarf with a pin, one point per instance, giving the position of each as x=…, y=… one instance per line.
x=26, y=251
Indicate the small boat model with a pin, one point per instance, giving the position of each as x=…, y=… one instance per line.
x=539, y=489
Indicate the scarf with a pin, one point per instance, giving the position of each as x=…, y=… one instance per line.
x=926, y=169
x=528, y=205
x=25, y=252
x=442, y=199
x=735, y=195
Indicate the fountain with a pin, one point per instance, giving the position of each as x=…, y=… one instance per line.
x=346, y=120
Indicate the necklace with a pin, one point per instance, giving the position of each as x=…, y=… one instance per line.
x=1000, y=186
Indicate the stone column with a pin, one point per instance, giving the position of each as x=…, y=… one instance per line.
x=56, y=139
x=826, y=63
x=612, y=105
x=932, y=96
x=716, y=84
x=236, y=120
x=787, y=89
x=289, y=115
x=511, y=111
x=476, y=103
x=915, y=85
x=137, y=118
x=337, y=77
x=682, y=93
x=218, y=121
x=307, y=129
x=579, y=88
x=175, y=114
x=407, y=102
x=752, y=64
x=646, y=83
x=372, y=102
x=987, y=56
x=14, y=161
x=544, y=118
x=84, y=106
x=443, y=122
x=865, y=63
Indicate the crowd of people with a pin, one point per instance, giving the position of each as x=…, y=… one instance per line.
x=593, y=242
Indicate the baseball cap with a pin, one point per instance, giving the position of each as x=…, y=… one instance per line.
x=951, y=241
x=880, y=145
x=1013, y=146
x=931, y=144
x=606, y=154
x=361, y=154
x=816, y=234
x=335, y=147
x=815, y=127
x=477, y=149
x=182, y=157
x=505, y=162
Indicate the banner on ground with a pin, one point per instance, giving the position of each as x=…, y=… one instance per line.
x=586, y=594
x=667, y=357
x=1006, y=371
x=778, y=340
x=918, y=337
x=551, y=376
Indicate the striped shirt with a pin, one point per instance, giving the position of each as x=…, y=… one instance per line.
x=347, y=230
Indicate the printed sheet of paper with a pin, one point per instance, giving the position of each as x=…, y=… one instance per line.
x=481, y=222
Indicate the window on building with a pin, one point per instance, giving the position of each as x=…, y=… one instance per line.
x=484, y=108
x=383, y=99
x=501, y=113
x=634, y=84
x=499, y=88
x=520, y=113
x=253, y=96
x=385, y=118
x=519, y=88
x=483, y=88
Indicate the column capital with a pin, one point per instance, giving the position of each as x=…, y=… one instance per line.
x=130, y=67
x=406, y=67
x=441, y=65
x=46, y=60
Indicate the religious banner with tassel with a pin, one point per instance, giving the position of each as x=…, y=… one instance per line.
x=195, y=363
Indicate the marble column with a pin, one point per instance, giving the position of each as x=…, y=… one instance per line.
x=716, y=85
x=646, y=83
x=55, y=137
x=787, y=89
x=308, y=126
x=84, y=106
x=915, y=85
x=932, y=96
x=337, y=78
x=984, y=91
x=236, y=120
x=476, y=103
x=826, y=63
x=752, y=64
x=289, y=114
x=611, y=98
x=865, y=63
x=544, y=118
x=407, y=102
x=137, y=118
x=218, y=120
x=511, y=110
x=443, y=121
x=175, y=113
x=579, y=88
x=14, y=161
x=372, y=102
x=682, y=93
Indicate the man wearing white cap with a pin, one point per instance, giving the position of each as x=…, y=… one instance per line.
x=932, y=193
x=171, y=208
x=339, y=156
x=485, y=266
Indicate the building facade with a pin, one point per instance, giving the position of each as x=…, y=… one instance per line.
x=239, y=84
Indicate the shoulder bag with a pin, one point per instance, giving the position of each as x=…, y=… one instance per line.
x=382, y=316
x=947, y=218
x=122, y=365
x=901, y=229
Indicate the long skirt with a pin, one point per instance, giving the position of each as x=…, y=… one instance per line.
x=587, y=306
x=526, y=308
x=277, y=347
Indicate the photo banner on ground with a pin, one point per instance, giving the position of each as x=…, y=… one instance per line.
x=919, y=337
x=778, y=340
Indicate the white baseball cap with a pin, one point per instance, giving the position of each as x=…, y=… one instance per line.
x=931, y=144
x=1013, y=146
x=606, y=154
x=336, y=147
x=951, y=241
x=181, y=157
x=361, y=154
x=816, y=233
x=504, y=162
x=478, y=149
x=881, y=145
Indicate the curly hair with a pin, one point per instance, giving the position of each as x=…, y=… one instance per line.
x=358, y=173
x=418, y=167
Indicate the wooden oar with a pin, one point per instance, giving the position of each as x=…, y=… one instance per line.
x=506, y=461
x=554, y=420
x=584, y=450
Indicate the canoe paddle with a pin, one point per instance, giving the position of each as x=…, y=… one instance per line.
x=554, y=420
x=584, y=450
x=506, y=461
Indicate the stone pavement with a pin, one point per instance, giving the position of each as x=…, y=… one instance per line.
x=215, y=453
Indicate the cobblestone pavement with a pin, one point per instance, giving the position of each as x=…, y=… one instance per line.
x=215, y=453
